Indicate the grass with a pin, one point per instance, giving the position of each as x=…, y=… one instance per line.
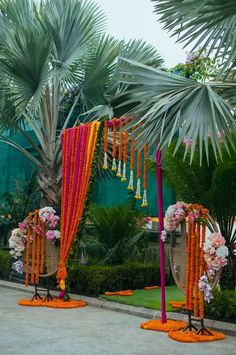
x=149, y=299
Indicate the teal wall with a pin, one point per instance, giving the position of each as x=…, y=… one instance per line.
x=114, y=192
x=14, y=165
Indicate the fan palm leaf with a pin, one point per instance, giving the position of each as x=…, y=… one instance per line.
x=210, y=24
x=170, y=105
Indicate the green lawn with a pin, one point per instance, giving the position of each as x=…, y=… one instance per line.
x=149, y=299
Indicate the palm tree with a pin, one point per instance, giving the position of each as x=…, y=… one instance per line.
x=168, y=104
x=55, y=65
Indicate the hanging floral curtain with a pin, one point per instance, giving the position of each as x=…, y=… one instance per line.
x=78, y=145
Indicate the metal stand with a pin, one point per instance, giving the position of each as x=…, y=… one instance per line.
x=203, y=330
x=36, y=295
x=190, y=325
x=48, y=296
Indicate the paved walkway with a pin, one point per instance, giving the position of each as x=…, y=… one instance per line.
x=86, y=331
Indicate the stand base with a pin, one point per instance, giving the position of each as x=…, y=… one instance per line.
x=169, y=325
x=194, y=337
x=54, y=303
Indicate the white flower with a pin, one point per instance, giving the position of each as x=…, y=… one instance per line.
x=222, y=251
x=163, y=235
x=207, y=245
x=57, y=234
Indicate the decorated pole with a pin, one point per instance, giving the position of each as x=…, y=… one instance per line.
x=161, y=228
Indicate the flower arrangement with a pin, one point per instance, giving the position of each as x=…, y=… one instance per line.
x=215, y=253
x=175, y=214
x=17, y=240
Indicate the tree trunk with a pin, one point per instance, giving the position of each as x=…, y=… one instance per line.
x=50, y=187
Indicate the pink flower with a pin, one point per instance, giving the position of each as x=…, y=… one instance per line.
x=217, y=240
x=212, y=251
x=38, y=229
x=22, y=226
x=50, y=234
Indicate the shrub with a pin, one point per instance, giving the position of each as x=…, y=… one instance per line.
x=223, y=305
x=5, y=264
x=96, y=279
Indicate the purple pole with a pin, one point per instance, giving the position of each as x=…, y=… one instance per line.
x=161, y=227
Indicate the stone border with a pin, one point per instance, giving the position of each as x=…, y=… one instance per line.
x=227, y=328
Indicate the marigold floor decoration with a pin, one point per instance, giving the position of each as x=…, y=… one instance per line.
x=119, y=293
x=193, y=337
x=177, y=304
x=55, y=303
x=169, y=325
x=147, y=288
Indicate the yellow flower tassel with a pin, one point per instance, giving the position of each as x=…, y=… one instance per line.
x=124, y=173
x=131, y=181
x=105, y=145
x=131, y=177
x=138, y=190
x=119, y=174
x=114, y=167
x=145, y=202
x=125, y=143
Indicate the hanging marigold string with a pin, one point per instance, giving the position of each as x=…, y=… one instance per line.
x=125, y=152
x=75, y=180
x=37, y=254
x=145, y=157
x=197, y=271
x=132, y=158
x=114, y=126
x=34, y=247
x=202, y=262
x=105, y=145
x=118, y=174
x=43, y=237
x=138, y=189
x=27, y=256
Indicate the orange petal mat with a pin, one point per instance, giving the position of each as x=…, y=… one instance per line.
x=177, y=304
x=192, y=337
x=55, y=303
x=157, y=325
x=119, y=293
x=151, y=287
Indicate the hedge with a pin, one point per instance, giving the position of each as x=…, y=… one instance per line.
x=222, y=306
x=5, y=264
x=95, y=279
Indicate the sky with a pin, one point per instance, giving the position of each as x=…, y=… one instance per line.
x=134, y=19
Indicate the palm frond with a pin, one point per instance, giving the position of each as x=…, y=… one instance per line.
x=211, y=24
x=72, y=24
x=168, y=105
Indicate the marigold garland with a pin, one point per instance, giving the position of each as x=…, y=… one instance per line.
x=114, y=167
x=120, y=151
x=27, y=256
x=119, y=293
x=125, y=144
x=151, y=287
x=78, y=145
x=138, y=189
x=145, y=157
x=105, y=145
x=157, y=325
x=131, y=178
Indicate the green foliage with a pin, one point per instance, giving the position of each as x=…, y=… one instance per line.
x=197, y=67
x=223, y=305
x=116, y=234
x=14, y=206
x=5, y=264
x=97, y=279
